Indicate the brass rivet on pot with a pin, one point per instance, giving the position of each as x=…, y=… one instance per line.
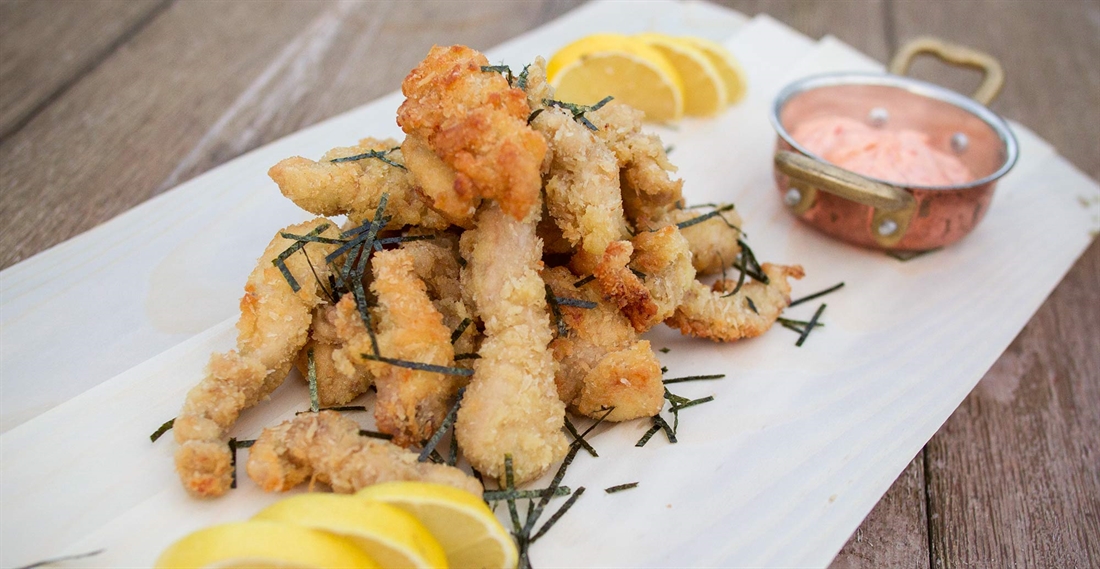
x=793, y=197
x=959, y=142
x=878, y=117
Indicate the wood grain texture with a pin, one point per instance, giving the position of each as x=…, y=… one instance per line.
x=1012, y=476
x=1011, y=479
x=45, y=47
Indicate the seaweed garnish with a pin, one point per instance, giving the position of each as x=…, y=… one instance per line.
x=300, y=242
x=574, y=302
x=505, y=71
x=314, y=403
x=555, y=310
x=693, y=378
x=437, y=436
x=810, y=325
x=375, y=434
x=419, y=366
x=569, y=426
x=818, y=294
x=167, y=426
x=460, y=329
x=752, y=305
x=717, y=212
x=584, y=281
x=379, y=154
x=621, y=487
x=499, y=495
x=578, y=111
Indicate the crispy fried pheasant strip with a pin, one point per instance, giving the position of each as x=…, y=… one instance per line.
x=708, y=313
x=328, y=448
x=601, y=361
x=334, y=387
x=273, y=327
x=713, y=242
x=411, y=403
x=436, y=263
x=356, y=187
x=648, y=192
x=476, y=124
x=582, y=187
x=511, y=405
x=664, y=258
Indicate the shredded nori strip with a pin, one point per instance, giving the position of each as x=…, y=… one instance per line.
x=460, y=329
x=648, y=435
x=555, y=310
x=167, y=426
x=246, y=443
x=499, y=495
x=534, y=513
x=752, y=305
x=701, y=218
x=534, y=114
x=574, y=302
x=819, y=294
x=521, y=81
x=557, y=515
x=578, y=439
x=578, y=111
x=621, y=487
x=693, y=378
x=314, y=404
x=660, y=421
x=437, y=436
x=420, y=366
x=638, y=273
x=63, y=558
x=810, y=325
x=467, y=356
x=665, y=350
x=375, y=434
x=510, y=485
x=280, y=260
x=379, y=154
x=311, y=238
x=584, y=281
x=693, y=403
x=233, y=461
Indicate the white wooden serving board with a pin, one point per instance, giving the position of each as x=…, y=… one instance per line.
x=798, y=446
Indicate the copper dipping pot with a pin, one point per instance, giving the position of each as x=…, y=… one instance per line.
x=883, y=214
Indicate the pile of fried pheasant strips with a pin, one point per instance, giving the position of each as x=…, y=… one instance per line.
x=508, y=253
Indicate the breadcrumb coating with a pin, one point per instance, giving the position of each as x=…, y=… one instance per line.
x=662, y=260
x=713, y=242
x=511, y=405
x=708, y=313
x=326, y=447
x=334, y=387
x=355, y=188
x=648, y=191
x=273, y=327
x=582, y=187
x=411, y=403
x=601, y=362
x=476, y=124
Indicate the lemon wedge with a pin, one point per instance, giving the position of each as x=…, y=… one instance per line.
x=470, y=534
x=704, y=90
x=727, y=65
x=388, y=535
x=598, y=65
x=263, y=544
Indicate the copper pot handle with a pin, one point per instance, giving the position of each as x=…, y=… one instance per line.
x=953, y=53
x=893, y=207
x=841, y=182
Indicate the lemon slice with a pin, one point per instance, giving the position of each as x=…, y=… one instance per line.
x=470, y=534
x=727, y=65
x=263, y=544
x=598, y=65
x=388, y=535
x=704, y=90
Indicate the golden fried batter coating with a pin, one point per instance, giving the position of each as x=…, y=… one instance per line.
x=708, y=313
x=477, y=125
x=582, y=187
x=356, y=187
x=411, y=403
x=273, y=327
x=326, y=447
x=601, y=362
x=647, y=189
x=334, y=387
x=664, y=258
x=436, y=263
x=511, y=405
x=713, y=242
x=538, y=89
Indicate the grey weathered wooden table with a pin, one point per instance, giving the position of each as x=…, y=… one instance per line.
x=106, y=103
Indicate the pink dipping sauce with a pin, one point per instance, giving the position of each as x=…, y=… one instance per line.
x=901, y=157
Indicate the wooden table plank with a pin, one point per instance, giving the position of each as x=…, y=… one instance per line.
x=158, y=112
x=46, y=47
x=173, y=114
x=1012, y=477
